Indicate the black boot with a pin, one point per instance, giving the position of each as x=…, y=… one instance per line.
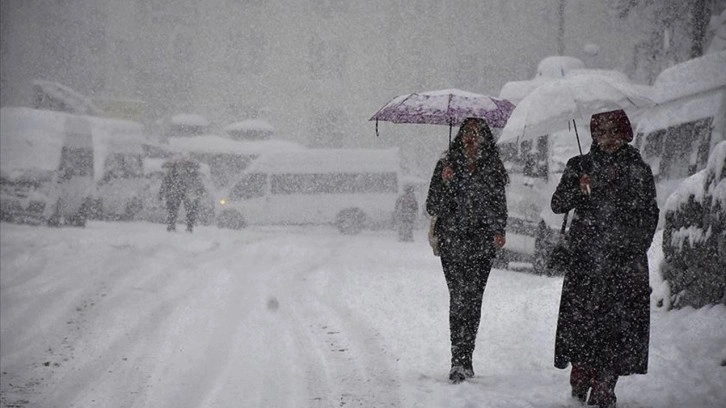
x=457, y=374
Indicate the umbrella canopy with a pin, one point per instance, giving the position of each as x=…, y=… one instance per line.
x=559, y=104
x=445, y=107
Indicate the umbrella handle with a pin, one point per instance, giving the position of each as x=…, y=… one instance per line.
x=451, y=123
x=577, y=135
x=377, y=128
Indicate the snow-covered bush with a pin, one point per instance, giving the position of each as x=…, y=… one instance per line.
x=694, y=238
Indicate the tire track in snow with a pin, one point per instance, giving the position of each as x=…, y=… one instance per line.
x=110, y=353
x=356, y=370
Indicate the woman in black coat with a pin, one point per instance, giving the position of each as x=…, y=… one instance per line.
x=604, y=318
x=466, y=195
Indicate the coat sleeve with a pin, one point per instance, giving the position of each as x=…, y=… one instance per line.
x=435, y=201
x=500, y=202
x=567, y=195
x=643, y=212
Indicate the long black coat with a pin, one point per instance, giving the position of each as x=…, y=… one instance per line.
x=471, y=208
x=604, y=317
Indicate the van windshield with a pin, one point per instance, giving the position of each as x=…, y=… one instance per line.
x=249, y=186
x=76, y=162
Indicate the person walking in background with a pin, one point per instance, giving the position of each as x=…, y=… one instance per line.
x=603, y=325
x=182, y=183
x=405, y=214
x=467, y=197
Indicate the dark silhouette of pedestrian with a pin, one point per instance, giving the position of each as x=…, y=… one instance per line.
x=467, y=197
x=604, y=318
x=405, y=214
x=182, y=183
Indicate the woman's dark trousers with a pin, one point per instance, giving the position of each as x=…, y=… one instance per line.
x=466, y=278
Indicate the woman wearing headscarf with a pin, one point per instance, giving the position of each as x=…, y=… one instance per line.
x=604, y=318
x=467, y=197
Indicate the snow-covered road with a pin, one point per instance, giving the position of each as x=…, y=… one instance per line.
x=128, y=315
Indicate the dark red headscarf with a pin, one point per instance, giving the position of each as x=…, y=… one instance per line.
x=617, y=116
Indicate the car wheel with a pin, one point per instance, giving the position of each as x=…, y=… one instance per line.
x=350, y=221
x=55, y=218
x=230, y=219
x=133, y=207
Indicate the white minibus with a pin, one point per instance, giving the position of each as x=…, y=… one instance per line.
x=352, y=189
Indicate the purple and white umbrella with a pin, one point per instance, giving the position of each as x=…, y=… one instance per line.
x=445, y=107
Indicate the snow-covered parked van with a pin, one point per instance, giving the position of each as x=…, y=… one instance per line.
x=46, y=166
x=676, y=136
x=352, y=189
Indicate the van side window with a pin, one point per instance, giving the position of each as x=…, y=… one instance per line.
x=249, y=186
x=334, y=183
x=680, y=150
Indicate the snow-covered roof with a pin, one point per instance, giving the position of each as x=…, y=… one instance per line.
x=189, y=119
x=250, y=124
x=691, y=77
x=78, y=103
x=557, y=66
x=514, y=91
x=219, y=144
x=327, y=161
x=34, y=138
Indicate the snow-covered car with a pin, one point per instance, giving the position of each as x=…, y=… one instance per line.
x=153, y=209
x=535, y=170
x=694, y=236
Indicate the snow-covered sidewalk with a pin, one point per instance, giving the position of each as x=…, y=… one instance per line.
x=128, y=315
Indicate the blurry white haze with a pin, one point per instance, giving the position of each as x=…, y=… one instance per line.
x=126, y=314
x=318, y=69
